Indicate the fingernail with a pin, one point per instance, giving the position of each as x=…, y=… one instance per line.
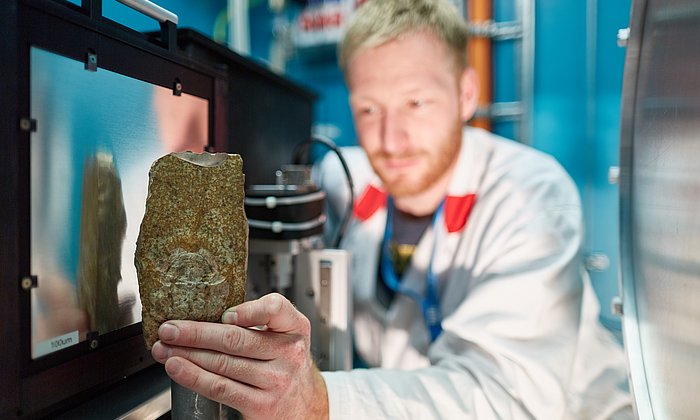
x=168, y=332
x=173, y=366
x=160, y=351
x=229, y=317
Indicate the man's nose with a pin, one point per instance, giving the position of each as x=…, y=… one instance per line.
x=394, y=138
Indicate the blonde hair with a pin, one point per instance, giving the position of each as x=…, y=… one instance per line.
x=379, y=21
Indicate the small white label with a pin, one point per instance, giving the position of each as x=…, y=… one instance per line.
x=56, y=344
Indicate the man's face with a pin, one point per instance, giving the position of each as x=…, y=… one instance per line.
x=405, y=99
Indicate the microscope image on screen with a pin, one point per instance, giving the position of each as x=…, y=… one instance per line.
x=89, y=181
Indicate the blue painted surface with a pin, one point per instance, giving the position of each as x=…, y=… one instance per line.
x=578, y=88
x=560, y=83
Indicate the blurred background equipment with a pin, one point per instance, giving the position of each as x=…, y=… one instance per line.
x=288, y=256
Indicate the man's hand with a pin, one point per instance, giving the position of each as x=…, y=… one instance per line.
x=265, y=373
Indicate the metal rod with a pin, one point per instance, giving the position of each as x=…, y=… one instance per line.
x=239, y=32
x=151, y=10
x=499, y=31
x=188, y=405
x=526, y=15
x=277, y=226
x=500, y=111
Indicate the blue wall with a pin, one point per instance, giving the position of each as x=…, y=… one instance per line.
x=578, y=87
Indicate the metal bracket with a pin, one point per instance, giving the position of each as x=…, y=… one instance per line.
x=623, y=36
x=500, y=111
x=596, y=262
x=324, y=309
x=93, y=338
x=93, y=8
x=27, y=124
x=499, y=31
x=616, y=306
x=177, y=87
x=29, y=282
x=168, y=35
x=91, y=60
x=613, y=175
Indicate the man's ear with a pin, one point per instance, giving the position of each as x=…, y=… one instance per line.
x=469, y=93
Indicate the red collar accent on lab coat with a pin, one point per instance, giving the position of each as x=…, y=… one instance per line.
x=457, y=208
x=371, y=200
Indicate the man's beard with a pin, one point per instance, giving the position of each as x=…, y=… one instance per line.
x=398, y=186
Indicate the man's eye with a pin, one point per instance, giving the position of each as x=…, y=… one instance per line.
x=416, y=103
x=369, y=110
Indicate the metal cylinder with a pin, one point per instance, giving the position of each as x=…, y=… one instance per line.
x=189, y=405
x=659, y=208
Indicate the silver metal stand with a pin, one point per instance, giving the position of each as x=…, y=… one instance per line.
x=317, y=282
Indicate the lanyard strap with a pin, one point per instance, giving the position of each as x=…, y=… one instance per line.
x=429, y=303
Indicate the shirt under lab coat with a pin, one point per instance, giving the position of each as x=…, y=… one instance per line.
x=521, y=337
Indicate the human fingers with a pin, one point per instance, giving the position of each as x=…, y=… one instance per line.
x=229, y=339
x=243, y=397
x=273, y=311
x=257, y=373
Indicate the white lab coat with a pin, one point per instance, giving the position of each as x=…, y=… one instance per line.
x=520, y=335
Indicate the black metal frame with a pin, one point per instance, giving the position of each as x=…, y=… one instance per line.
x=35, y=388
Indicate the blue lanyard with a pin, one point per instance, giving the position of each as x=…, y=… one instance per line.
x=429, y=303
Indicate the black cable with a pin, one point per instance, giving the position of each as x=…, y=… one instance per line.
x=320, y=139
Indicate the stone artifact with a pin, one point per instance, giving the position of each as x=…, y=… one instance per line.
x=192, y=248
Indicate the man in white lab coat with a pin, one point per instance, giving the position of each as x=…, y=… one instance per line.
x=470, y=299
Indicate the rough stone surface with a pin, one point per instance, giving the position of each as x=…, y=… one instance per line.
x=192, y=247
